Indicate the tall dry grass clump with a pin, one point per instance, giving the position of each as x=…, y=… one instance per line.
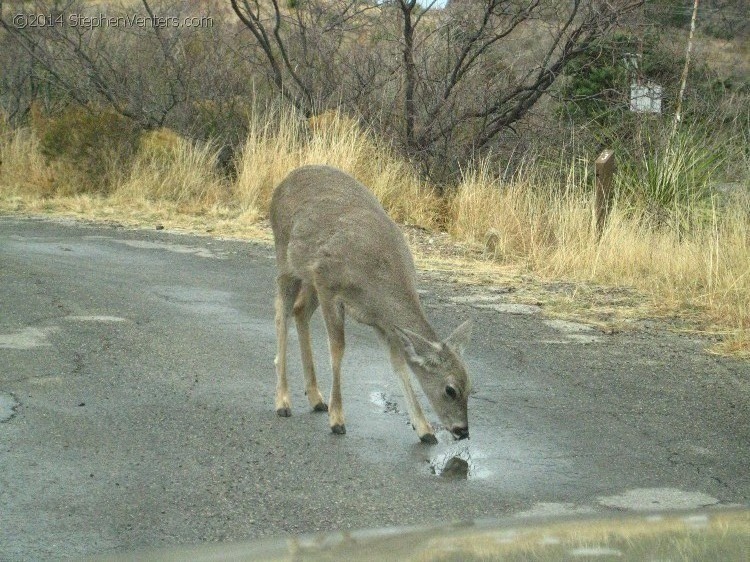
x=169, y=168
x=23, y=169
x=280, y=141
x=269, y=153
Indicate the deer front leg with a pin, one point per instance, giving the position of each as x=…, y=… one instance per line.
x=418, y=420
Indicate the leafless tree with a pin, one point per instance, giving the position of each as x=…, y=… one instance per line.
x=303, y=45
x=499, y=57
x=140, y=65
x=459, y=75
x=18, y=85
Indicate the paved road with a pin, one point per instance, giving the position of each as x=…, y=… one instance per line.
x=136, y=408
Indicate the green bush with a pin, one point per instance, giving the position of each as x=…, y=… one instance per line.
x=88, y=146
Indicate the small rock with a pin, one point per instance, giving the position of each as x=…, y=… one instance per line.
x=456, y=467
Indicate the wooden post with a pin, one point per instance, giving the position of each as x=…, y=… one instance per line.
x=605, y=168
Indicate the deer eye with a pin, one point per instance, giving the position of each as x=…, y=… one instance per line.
x=451, y=391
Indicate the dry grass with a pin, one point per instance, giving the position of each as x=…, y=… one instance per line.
x=702, y=275
x=24, y=171
x=282, y=142
x=533, y=225
x=170, y=168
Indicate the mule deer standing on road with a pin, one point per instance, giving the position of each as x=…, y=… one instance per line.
x=337, y=248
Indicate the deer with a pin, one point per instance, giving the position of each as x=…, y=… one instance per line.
x=337, y=248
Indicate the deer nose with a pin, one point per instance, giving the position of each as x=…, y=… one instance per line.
x=460, y=432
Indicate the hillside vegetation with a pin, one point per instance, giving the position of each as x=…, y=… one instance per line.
x=202, y=143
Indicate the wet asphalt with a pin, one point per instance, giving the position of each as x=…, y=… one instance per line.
x=136, y=407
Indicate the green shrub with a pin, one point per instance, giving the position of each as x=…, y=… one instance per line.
x=89, y=147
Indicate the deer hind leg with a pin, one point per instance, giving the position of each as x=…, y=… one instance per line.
x=287, y=289
x=333, y=314
x=304, y=306
x=418, y=420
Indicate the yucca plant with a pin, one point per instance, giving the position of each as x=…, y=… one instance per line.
x=669, y=176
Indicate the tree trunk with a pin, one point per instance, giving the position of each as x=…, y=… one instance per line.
x=683, y=81
x=407, y=8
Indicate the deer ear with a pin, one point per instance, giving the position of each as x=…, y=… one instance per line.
x=419, y=351
x=460, y=337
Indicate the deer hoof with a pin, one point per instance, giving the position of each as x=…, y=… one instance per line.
x=338, y=429
x=428, y=438
x=284, y=412
x=322, y=407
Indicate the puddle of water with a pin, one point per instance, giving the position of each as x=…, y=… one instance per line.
x=460, y=460
x=502, y=451
x=514, y=460
x=8, y=406
x=457, y=467
x=449, y=459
